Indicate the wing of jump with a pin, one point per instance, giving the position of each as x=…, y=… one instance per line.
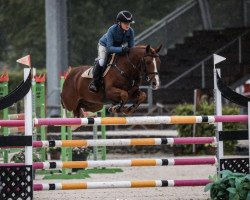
x=231, y=95
x=17, y=94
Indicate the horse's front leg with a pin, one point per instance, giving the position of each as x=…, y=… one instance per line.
x=141, y=96
x=117, y=95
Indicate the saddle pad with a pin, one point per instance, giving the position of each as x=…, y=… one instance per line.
x=89, y=72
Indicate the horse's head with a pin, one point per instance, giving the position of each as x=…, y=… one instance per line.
x=142, y=60
x=152, y=63
x=149, y=63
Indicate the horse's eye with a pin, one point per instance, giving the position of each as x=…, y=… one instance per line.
x=148, y=62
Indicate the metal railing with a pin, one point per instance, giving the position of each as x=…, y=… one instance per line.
x=157, y=26
x=202, y=63
x=174, y=27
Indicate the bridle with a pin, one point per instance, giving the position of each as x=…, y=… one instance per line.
x=145, y=66
x=140, y=67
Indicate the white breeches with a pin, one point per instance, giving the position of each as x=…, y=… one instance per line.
x=102, y=54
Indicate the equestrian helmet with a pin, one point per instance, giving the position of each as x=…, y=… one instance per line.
x=124, y=16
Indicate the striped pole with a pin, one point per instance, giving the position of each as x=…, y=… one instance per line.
x=118, y=163
x=120, y=184
x=128, y=120
x=125, y=163
x=125, y=142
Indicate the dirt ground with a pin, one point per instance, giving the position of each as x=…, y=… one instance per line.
x=136, y=173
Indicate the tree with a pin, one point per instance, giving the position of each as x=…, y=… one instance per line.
x=22, y=25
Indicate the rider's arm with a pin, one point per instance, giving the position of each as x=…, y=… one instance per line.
x=110, y=43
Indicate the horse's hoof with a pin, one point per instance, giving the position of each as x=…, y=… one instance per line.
x=112, y=110
x=128, y=111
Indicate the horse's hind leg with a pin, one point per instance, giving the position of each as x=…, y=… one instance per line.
x=141, y=97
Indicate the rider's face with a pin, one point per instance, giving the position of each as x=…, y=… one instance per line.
x=125, y=25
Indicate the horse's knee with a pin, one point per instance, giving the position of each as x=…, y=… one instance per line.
x=117, y=95
x=124, y=96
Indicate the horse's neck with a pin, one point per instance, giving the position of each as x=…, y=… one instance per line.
x=129, y=62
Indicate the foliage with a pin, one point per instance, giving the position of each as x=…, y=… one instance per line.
x=80, y=151
x=20, y=157
x=54, y=149
x=22, y=25
x=229, y=185
x=205, y=129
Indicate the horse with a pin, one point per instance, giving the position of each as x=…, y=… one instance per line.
x=120, y=84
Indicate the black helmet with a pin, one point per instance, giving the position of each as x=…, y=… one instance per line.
x=124, y=16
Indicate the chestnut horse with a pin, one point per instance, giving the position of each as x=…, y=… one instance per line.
x=120, y=84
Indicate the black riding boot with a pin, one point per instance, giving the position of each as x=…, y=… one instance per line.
x=95, y=84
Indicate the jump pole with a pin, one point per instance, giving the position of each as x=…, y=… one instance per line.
x=120, y=163
x=125, y=163
x=125, y=142
x=128, y=120
x=121, y=184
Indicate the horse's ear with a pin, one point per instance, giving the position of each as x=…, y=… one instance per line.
x=158, y=49
x=148, y=49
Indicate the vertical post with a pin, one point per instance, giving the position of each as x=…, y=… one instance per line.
x=42, y=115
x=203, y=82
x=218, y=112
x=103, y=129
x=28, y=120
x=248, y=106
x=4, y=89
x=95, y=137
x=34, y=92
x=218, y=109
x=240, y=50
x=150, y=98
x=56, y=50
x=194, y=110
x=63, y=132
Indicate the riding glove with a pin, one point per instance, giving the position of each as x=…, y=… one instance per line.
x=125, y=49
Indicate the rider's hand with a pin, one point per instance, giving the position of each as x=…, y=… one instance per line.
x=125, y=49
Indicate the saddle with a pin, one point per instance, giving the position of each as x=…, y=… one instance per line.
x=89, y=72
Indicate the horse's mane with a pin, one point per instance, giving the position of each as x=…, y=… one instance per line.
x=140, y=46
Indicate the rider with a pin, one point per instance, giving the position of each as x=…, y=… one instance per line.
x=118, y=39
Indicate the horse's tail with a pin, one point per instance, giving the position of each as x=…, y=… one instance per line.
x=67, y=72
x=62, y=102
